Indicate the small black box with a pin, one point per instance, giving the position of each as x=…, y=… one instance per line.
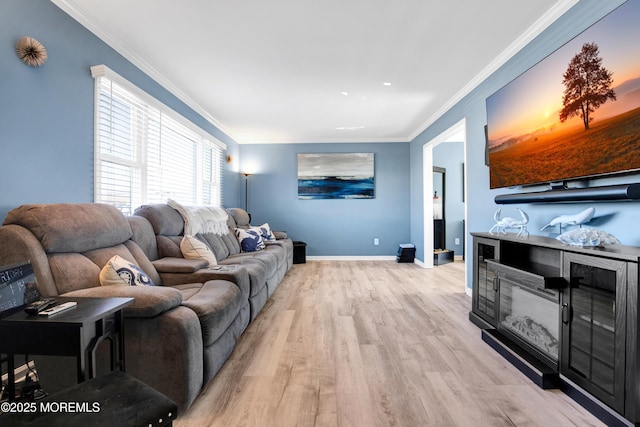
x=442, y=257
x=406, y=252
x=299, y=252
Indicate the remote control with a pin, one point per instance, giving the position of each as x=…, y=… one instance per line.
x=37, y=306
x=58, y=308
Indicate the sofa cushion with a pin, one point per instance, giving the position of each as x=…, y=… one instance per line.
x=232, y=243
x=216, y=302
x=164, y=219
x=169, y=246
x=217, y=244
x=250, y=240
x=179, y=265
x=280, y=235
x=144, y=236
x=81, y=227
x=192, y=248
x=72, y=271
x=240, y=216
x=148, y=301
x=168, y=227
x=120, y=272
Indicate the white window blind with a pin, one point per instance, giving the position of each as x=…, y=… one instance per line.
x=148, y=153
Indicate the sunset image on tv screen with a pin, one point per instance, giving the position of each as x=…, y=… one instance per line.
x=576, y=113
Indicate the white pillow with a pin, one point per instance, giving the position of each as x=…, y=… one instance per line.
x=193, y=248
x=120, y=272
x=265, y=232
x=250, y=240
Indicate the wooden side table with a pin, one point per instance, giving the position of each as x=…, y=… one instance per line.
x=74, y=332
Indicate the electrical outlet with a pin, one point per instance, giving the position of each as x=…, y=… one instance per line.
x=376, y=241
x=457, y=241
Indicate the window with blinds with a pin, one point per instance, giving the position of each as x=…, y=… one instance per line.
x=147, y=153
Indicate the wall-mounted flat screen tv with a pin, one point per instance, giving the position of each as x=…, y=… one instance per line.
x=576, y=114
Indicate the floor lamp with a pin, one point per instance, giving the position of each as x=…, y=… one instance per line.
x=246, y=191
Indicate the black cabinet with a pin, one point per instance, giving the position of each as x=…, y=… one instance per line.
x=573, y=309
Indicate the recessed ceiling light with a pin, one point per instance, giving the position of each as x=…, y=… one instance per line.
x=349, y=127
x=386, y=84
x=345, y=93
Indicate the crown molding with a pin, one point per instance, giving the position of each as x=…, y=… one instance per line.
x=559, y=9
x=71, y=8
x=324, y=141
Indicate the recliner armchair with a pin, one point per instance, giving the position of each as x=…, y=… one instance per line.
x=177, y=335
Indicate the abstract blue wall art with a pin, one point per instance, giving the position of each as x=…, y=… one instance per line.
x=335, y=176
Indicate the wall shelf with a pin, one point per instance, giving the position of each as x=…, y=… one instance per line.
x=594, y=194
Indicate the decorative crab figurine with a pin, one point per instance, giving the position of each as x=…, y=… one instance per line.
x=502, y=224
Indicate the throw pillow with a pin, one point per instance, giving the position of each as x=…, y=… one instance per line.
x=119, y=271
x=250, y=240
x=193, y=248
x=265, y=232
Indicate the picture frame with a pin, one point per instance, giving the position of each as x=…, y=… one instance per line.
x=336, y=176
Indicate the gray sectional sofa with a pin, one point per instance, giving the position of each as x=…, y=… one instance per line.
x=262, y=270
x=179, y=333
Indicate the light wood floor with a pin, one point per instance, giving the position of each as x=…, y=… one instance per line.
x=373, y=343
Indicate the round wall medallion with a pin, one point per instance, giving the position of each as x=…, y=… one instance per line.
x=31, y=51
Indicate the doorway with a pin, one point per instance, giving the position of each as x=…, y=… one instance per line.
x=456, y=133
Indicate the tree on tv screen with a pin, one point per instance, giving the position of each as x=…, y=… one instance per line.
x=587, y=85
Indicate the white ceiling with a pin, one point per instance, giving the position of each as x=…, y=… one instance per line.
x=277, y=71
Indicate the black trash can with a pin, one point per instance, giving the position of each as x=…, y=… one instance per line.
x=299, y=252
x=406, y=252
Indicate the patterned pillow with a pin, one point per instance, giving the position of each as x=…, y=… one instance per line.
x=265, y=232
x=250, y=240
x=119, y=271
x=192, y=248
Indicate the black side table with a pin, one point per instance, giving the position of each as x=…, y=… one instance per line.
x=75, y=332
x=299, y=252
x=113, y=399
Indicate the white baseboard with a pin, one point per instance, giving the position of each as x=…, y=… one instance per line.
x=352, y=258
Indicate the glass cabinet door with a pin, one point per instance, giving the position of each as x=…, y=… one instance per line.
x=593, y=319
x=485, y=291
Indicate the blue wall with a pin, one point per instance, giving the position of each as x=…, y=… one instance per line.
x=331, y=227
x=46, y=144
x=616, y=218
x=46, y=123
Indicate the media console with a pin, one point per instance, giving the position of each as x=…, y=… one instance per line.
x=566, y=316
x=603, y=193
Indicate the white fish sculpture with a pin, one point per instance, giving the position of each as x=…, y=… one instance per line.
x=587, y=237
x=577, y=219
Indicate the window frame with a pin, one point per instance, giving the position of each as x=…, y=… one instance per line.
x=189, y=132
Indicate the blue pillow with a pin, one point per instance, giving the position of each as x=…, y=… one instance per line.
x=250, y=240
